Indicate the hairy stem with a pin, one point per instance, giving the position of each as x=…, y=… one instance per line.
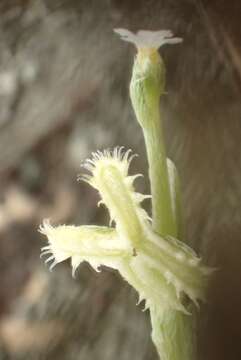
x=162, y=215
x=172, y=331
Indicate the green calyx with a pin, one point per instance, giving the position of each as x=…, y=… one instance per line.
x=147, y=85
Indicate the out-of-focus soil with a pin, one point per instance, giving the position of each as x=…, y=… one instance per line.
x=64, y=81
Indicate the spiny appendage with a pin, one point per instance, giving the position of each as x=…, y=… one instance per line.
x=163, y=279
x=151, y=285
x=94, y=244
x=118, y=157
x=109, y=175
x=179, y=265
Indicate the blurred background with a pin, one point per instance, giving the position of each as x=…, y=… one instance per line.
x=64, y=78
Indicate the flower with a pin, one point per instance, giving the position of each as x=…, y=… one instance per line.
x=148, y=75
x=148, y=39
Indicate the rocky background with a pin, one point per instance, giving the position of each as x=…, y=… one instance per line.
x=64, y=80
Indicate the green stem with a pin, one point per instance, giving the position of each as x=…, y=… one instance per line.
x=162, y=215
x=172, y=331
x=176, y=199
x=173, y=334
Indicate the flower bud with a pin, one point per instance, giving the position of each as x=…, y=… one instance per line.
x=147, y=84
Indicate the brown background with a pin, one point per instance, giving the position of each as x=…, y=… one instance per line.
x=64, y=81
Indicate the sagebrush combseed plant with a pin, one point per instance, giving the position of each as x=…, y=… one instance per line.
x=149, y=252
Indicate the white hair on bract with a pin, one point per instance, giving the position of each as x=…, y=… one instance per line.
x=98, y=245
x=161, y=269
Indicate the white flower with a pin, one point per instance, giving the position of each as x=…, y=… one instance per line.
x=148, y=39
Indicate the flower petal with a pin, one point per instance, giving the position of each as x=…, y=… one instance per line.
x=147, y=38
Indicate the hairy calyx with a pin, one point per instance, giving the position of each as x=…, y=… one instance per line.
x=161, y=269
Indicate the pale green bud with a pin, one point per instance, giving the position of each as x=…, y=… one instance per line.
x=147, y=84
x=148, y=76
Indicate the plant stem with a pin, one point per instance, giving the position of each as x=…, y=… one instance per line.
x=172, y=331
x=162, y=215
